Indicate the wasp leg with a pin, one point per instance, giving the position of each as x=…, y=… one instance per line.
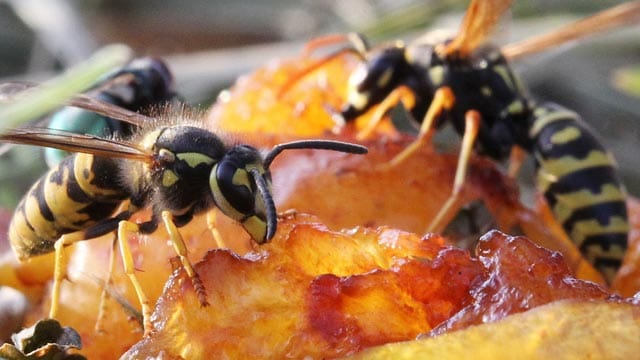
x=443, y=99
x=102, y=308
x=125, y=227
x=472, y=124
x=400, y=94
x=60, y=266
x=516, y=158
x=211, y=225
x=181, y=250
x=59, y=272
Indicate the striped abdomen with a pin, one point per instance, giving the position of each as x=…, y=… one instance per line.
x=579, y=180
x=77, y=193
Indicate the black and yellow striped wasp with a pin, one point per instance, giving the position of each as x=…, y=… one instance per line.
x=470, y=84
x=170, y=164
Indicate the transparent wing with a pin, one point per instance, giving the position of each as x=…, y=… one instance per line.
x=624, y=14
x=13, y=91
x=478, y=24
x=73, y=142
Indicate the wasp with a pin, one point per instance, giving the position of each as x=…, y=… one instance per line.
x=470, y=84
x=170, y=164
x=141, y=85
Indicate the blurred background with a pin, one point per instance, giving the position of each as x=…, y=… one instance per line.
x=208, y=44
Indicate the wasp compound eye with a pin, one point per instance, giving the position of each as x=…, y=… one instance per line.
x=234, y=188
x=241, y=191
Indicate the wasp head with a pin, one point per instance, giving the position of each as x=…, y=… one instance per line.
x=241, y=188
x=375, y=79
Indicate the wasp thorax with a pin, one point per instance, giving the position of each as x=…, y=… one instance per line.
x=153, y=81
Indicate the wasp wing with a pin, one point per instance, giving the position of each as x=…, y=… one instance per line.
x=478, y=23
x=116, y=112
x=74, y=142
x=13, y=91
x=624, y=14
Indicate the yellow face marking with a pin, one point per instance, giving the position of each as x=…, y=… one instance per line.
x=566, y=135
x=256, y=227
x=569, y=202
x=486, y=91
x=357, y=76
x=357, y=99
x=169, y=178
x=241, y=178
x=436, y=75
x=193, y=159
x=385, y=78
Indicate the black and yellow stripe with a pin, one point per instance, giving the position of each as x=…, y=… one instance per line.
x=490, y=108
x=76, y=194
x=179, y=171
x=579, y=181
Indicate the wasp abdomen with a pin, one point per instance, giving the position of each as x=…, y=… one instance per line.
x=580, y=183
x=82, y=190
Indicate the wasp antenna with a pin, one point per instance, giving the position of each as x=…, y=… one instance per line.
x=360, y=43
x=357, y=40
x=297, y=77
x=314, y=144
x=267, y=199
